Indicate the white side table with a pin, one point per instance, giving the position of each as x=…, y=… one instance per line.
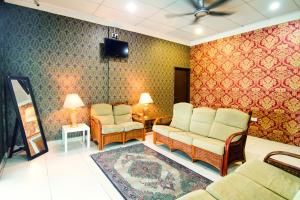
x=85, y=129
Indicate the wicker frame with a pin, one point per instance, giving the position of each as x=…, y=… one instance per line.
x=104, y=139
x=284, y=166
x=233, y=152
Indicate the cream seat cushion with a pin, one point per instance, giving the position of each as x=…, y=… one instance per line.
x=197, y=195
x=105, y=120
x=297, y=196
x=122, y=113
x=183, y=137
x=129, y=126
x=106, y=129
x=103, y=112
x=227, y=122
x=164, y=130
x=182, y=113
x=202, y=119
x=273, y=178
x=238, y=187
x=209, y=144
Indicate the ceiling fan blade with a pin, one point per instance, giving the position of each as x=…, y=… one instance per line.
x=216, y=4
x=215, y=13
x=196, y=20
x=195, y=3
x=178, y=15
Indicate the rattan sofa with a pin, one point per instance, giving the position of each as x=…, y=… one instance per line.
x=272, y=179
x=114, y=123
x=217, y=137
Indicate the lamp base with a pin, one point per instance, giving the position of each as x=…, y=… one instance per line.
x=73, y=118
x=145, y=113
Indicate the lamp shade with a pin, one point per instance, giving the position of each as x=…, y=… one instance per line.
x=145, y=98
x=73, y=101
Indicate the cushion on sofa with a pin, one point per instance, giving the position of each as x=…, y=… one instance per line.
x=197, y=195
x=183, y=137
x=273, y=178
x=222, y=132
x=182, y=113
x=201, y=120
x=106, y=129
x=238, y=187
x=227, y=122
x=105, y=119
x=103, y=112
x=122, y=113
x=297, y=196
x=101, y=109
x=164, y=130
x=129, y=126
x=209, y=144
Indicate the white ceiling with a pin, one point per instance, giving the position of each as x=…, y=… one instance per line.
x=149, y=16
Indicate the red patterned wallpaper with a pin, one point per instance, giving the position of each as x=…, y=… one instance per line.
x=258, y=71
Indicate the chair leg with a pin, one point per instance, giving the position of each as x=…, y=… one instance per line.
x=144, y=134
x=224, y=169
x=123, y=137
x=102, y=143
x=154, y=137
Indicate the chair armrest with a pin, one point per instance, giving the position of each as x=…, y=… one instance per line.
x=96, y=128
x=229, y=142
x=285, y=153
x=96, y=121
x=282, y=165
x=138, y=118
x=234, y=135
x=166, y=120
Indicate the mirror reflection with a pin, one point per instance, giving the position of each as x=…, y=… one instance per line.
x=28, y=116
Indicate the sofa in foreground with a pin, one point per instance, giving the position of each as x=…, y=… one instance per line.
x=217, y=137
x=255, y=180
x=114, y=123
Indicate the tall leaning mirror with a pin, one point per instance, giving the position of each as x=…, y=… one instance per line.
x=28, y=121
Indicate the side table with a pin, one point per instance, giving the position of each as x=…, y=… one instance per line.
x=147, y=121
x=85, y=129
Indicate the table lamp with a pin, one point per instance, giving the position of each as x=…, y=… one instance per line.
x=145, y=99
x=72, y=102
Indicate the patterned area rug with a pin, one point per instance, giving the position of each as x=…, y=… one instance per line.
x=141, y=173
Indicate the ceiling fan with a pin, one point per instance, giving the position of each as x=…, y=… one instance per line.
x=202, y=10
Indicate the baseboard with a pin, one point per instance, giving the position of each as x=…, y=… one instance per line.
x=2, y=164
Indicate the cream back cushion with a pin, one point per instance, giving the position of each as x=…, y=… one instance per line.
x=103, y=112
x=182, y=113
x=122, y=113
x=227, y=122
x=202, y=119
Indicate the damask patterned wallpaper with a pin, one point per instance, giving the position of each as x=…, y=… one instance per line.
x=2, y=122
x=61, y=55
x=258, y=71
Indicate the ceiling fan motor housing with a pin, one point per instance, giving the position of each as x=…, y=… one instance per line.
x=201, y=12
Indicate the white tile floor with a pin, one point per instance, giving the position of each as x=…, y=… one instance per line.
x=74, y=175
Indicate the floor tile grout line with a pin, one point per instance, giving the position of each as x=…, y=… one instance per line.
x=48, y=178
x=89, y=167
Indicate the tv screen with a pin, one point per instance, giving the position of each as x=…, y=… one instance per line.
x=115, y=48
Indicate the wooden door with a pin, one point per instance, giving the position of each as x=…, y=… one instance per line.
x=182, y=85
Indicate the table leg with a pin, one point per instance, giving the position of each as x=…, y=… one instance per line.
x=83, y=136
x=66, y=141
x=88, y=138
x=63, y=136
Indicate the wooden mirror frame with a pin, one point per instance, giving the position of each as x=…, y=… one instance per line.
x=18, y=123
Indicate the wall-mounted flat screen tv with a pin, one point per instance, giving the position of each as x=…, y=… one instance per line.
x=115, y=48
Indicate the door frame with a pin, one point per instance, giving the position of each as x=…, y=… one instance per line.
x=188, y=91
